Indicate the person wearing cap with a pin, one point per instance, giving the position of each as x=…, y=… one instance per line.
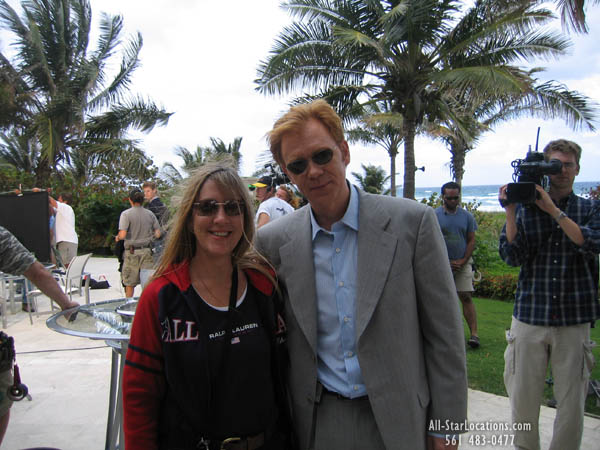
x=271, y=207
x=137, y=227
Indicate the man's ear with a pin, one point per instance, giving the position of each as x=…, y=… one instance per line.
x=345, y=151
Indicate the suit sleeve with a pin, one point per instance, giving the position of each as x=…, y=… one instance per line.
x=143, y=375
x=441, y=326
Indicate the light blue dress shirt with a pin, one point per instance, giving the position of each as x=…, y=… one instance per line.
x=335, y=256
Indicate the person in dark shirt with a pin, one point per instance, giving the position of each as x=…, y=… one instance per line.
x=203, y=368
x=161, y=212
x=155, y=204
x=556, y=242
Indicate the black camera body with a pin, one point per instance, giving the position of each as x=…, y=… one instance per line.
x=528, y=172
x=277, y=175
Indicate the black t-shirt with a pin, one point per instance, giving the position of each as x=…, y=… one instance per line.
x=244, y=400
x=233, y=398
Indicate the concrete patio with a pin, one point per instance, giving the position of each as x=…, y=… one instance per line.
x=68, y=379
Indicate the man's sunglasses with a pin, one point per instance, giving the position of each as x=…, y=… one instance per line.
x=321, y=158
x=452, y=198
x=210, y=207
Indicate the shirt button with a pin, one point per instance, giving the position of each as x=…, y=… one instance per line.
x=355, y=387
x=349, y=354
x=337, y=250
x=553, y=279
x=555, y=261
x=341, y=284
x=554, y=296
x=346, y=319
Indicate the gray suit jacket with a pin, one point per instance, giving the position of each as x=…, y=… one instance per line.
x=409, y=331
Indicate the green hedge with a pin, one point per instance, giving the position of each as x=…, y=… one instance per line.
x=500, y=287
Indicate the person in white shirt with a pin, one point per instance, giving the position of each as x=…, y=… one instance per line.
x=66, y=236
x=271, y=207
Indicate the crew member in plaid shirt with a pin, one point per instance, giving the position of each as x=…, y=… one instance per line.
x=556, y=242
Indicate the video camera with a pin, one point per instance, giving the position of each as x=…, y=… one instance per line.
x=277, y=175
x=527, y=173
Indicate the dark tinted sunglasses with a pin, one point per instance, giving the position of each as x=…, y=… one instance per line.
x=321, y=158
x=210, y=207
x=452, y=198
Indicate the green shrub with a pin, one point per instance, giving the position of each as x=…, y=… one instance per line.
x=500, y=287
x=97, y=218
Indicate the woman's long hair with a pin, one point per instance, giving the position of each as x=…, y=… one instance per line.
x=181, y=241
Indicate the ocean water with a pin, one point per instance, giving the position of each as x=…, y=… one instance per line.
x=487, y=195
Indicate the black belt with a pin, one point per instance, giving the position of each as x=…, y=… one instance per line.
x=234, y=443
x=339, y=396
x=131, y=248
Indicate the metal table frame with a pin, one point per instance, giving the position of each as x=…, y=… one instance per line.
x=118, y=343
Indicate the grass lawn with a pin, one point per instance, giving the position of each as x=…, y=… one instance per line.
x=485, y=365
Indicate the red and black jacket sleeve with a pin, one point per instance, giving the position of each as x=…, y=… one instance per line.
x=143, y=374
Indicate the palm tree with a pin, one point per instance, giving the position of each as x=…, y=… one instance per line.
x=572, y=14
x=374, y=179
x=71, y=102
x=416, y=54
x=474, y=116
x=381, y=127
x=19, y=151
x=191, y=161
x=87, y=168
x=219, y=149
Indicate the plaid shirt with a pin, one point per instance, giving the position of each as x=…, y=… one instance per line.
x=558, y=281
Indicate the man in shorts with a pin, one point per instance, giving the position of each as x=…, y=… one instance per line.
x=458, y=227
x=137, y=227
x=17, y=260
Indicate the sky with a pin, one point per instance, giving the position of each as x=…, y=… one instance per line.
x=199, y=61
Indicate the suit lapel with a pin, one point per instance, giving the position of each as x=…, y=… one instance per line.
x=297, y=264
x=376, y=250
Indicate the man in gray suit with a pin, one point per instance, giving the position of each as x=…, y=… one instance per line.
x=374, y=329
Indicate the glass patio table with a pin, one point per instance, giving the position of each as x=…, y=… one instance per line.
x=110, y=321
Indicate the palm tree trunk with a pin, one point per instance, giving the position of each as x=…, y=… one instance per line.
x=408, y=189
x=42, y=174
x=457, y=161
x=393, y=172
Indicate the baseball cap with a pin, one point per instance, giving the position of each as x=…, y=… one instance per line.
x=262, y=182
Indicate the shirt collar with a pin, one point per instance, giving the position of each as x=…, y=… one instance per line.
x=350, y=218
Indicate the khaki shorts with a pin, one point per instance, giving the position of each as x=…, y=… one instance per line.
x=133, y=263
x=67, y=250
x=463, y=278
x=6, y=381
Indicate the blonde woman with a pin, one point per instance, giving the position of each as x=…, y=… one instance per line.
x=203, y=369
x=286, y=194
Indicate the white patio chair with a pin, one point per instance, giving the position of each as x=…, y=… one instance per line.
x=76, y=279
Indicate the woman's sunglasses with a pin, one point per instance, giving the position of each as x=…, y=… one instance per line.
x=321, y=158
x=210, y=207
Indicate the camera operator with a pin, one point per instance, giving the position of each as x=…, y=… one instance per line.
x=271, y=207
x=556, y=242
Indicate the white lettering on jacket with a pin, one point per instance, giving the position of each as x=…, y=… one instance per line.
x=175, y=330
